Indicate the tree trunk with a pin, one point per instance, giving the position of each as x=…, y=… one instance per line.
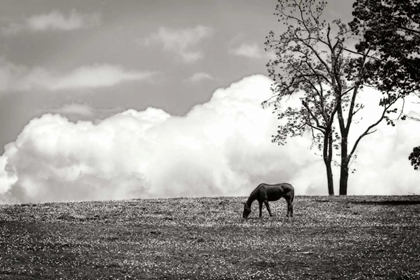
x=330, y=178
x=344, y=177
x=327, y=156
x=344, y=169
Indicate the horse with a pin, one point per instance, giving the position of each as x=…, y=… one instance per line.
x=265, y=193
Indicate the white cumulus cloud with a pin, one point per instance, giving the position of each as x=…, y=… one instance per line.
x=181, y=42
x=219, y=148
x=76, y=111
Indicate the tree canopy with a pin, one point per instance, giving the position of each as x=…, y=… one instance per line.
x=391, y=29
x=415, y=158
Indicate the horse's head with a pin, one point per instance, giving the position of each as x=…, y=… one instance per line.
x=247, y=211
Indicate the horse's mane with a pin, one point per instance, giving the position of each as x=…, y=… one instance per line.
x=254, y=191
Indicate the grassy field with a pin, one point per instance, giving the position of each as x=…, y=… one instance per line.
x=206, y=238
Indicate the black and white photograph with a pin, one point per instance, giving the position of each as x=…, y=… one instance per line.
x=209, y=139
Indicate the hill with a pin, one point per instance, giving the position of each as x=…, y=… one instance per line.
x=205, y=238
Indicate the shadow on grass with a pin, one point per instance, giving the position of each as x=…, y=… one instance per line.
x=387, y=202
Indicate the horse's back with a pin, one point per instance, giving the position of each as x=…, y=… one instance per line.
x=285, y=186
x=276, y=191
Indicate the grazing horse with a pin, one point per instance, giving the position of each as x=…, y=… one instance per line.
x=265, y=193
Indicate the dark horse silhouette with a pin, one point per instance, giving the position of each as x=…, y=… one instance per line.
x=265, y=193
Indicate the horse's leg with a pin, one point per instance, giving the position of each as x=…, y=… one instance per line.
x=260, y=205
x=268, y=207
x=289, y=207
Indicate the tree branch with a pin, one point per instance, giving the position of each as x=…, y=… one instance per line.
x=367, y=131
x=313, y=117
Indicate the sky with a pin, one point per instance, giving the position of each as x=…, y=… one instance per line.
x=123, y=99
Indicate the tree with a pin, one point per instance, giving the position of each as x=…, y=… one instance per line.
x=299, y=66
x=415, y=158
x=313, y=57
x=391, y=29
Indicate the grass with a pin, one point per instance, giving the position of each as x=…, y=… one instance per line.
x=206, y=238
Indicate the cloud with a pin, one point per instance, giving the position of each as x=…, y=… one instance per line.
x=74, y=109
x=251, y=50
x=221, y=147
x=54, y=21
x=198, y=77
x=180, y=42
x=21, y=78
x=101, y=75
